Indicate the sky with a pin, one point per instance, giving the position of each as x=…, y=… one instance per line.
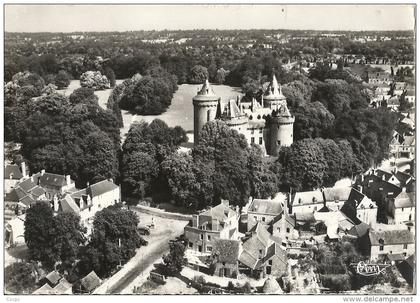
x=70, y=18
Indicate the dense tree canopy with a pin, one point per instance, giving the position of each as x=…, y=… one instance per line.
x=113, y=241
x=51, y=239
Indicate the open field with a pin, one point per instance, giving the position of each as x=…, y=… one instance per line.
x=180, y=112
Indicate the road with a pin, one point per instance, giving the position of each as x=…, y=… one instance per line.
x=165, y=230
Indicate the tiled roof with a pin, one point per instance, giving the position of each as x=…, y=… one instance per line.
x=45, y=290
x=27, y=185
x=27, y=200
x=101, y=187
x=402, y=177
x=37, y=191
x=53, y=277
x=226, y=250
x=69, y=205
x=337, y=193
x=12, y=172
x=90, y=282
x=63, y=286
x=391, y=237
x=265, y=206
x=404, y=199
x=49, y=179
x=308, y=197
x=12, y=196
x=359, y=230
x=409, y=140
x=220, y=212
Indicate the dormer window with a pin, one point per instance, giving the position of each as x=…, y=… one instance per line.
x=300, y=200
x=314, y=199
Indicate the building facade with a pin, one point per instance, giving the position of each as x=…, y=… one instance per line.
x=267, y=123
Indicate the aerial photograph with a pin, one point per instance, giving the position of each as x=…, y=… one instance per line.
x=208, y=149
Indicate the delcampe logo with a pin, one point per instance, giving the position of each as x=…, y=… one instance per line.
x=369, y=269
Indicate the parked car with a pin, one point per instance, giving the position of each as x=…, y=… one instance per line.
x=144, y=230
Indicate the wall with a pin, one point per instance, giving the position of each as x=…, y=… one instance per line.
x=403, y=214
x=394, y=249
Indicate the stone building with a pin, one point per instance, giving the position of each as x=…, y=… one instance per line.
x=267, y=123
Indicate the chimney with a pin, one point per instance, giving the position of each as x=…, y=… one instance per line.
x=68, y=180
x=42, y=172
x=383, y=177
x=360, y=188
x=55, y=199
x=195, y=221
x=23, y=168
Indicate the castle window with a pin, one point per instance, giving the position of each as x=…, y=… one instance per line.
x=260, y=131
x=288, y=230
x=252, y=140
x=405, y=246
x=250, y=117
x=208, y=116
x=252, y=131
x=260, y=141
x=278, y=142
x=259, y=117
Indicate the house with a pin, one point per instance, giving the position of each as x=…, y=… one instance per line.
x=88, y=201
x=261, y=256
x=45, y=289
x=64, y=287
x=335, y=197
x=403, y=146
x=225, y=256
x=380, y=78
x=360, y=207
x=12, y=175
x=54, y=184
x=53, y=278
x=14, y=231
x=407, y=269
x=402, y=206
x=410, y=95
x=90, y=282
x=388, y=242
x=263, y=210
x=283, y=226
x=393, y=103
x=219, y=222
x=308, y=201
x=271, y=286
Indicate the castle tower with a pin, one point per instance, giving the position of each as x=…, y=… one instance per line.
x=205, y=106
x=273, y=98
x=281, y=129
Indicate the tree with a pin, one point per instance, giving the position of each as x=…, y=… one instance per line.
x=84, y=95
x=175, y=260
x=109, y=73
x=302, y=165
x=198, y=74
x=62, y=79
x=113, y=242
x=20, y=278
x=95, y=80
x=52, y=239
x=312, y=120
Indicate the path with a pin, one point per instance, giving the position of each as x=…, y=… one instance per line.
x=146, y=256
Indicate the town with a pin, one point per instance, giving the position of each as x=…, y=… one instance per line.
x=210, y=162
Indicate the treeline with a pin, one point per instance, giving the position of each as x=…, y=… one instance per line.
x=60, y=242
x=62, y=134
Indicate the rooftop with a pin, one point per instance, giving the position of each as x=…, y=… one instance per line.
x=265, y=206
x=391, y=237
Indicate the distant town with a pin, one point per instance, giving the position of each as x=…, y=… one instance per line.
x=210, y=162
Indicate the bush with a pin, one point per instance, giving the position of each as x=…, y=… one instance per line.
x=62, y=80
x=95, y=80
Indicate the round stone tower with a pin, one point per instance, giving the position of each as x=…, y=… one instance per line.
x=281, y=129
x=205, y=106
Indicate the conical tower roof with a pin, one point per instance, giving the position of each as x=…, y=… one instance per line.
x=206, y=93
x=206, y=89
x=274, y=90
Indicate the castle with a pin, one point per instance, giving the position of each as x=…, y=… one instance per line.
x=268, y=123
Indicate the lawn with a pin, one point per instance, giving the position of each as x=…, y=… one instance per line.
x=180, y=112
